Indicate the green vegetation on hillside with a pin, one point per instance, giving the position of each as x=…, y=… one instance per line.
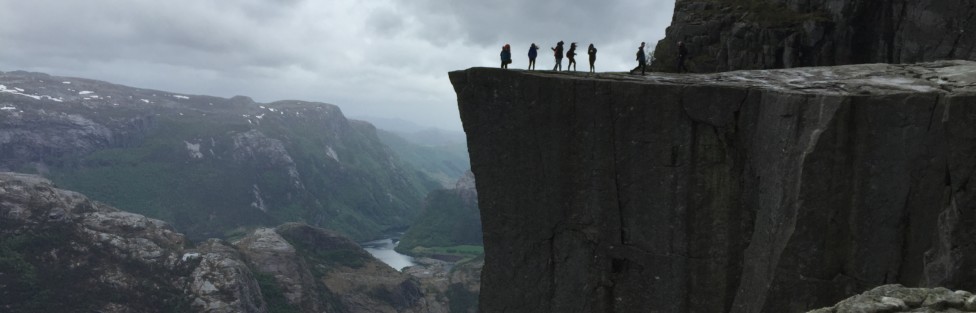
x=445, y=163
x=329, y=173
x=448, y=223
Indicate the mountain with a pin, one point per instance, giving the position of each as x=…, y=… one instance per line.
x=62, y=252
x=450, y=218
x=444, y=164
x=213, y=167
x=746, y=191
x=766, y=34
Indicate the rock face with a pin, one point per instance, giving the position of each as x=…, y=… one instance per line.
x=764, y=34
x=212, y=167
x=897, y=299
x=61, y=252
x=752, y=191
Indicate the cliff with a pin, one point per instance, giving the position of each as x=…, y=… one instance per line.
x=751, y=191
x=212, y=167
x=764, y=34
x=62, y=252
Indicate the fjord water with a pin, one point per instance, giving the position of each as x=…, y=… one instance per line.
x=383, y=250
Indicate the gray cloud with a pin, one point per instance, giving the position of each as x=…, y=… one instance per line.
x=382, y=57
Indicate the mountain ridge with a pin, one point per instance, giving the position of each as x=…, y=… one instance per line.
x=212, y=166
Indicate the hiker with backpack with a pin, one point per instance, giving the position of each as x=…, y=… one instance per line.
x=571, y=55
x=641, y=59
x=533, y=52
x=506, y=55
x=558, y=53
x=592, y=52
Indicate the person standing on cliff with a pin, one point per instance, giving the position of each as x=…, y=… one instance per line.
x=506, y=55
x=571, y=55
x=641, y=58
x=592, y=52
x=558, y=53
x=682, y=54
x=533, y=52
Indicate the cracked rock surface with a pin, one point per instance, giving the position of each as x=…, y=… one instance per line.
x=62, y=252
x=899, y=299
x=762, y=34
x=750, y=191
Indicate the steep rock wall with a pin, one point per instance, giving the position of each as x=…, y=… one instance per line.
x=753, y=191
x=763, y=34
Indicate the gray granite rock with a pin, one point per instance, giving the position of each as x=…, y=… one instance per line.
x=763, y=34
x=749, y=191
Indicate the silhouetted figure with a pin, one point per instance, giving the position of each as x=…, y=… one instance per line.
x=558, y=53
x=533, y=52
x=592, y=52
x=571, y=55
x=506, y=55
x=682, y=54
x=641, y=59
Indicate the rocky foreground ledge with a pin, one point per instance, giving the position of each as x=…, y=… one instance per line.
x=751, y=191
x=61, y=252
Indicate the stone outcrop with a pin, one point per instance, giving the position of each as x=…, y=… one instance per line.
x=764, y=34
x=898, y=299
x=61, y=252
x=751, y=191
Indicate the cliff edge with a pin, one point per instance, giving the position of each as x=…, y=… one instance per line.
x=749, y=191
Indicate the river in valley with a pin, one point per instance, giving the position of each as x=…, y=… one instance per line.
x=383, y=250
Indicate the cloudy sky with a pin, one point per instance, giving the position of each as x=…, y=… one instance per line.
x=384, y=58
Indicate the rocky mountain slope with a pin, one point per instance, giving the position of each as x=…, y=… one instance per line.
x=723, y=35
x=444, y=163
x=450, y=218
x=62, y=252
x=750, y=191
x=213, y=167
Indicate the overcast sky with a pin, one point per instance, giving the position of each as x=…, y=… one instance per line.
x=385, y=58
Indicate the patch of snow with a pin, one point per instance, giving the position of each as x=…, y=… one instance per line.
x=258, y=202
x=181, y=113
x=332, y=154
x=85, y=92
x=193, y=149
x=259, y=116
x=144, y=100
x=19, y=89
x=181, y=97
x=261, y=106
x=249, y=121
x=271, y=109
x=189, y=256
x=66, y=83
x=54, y=99
x=19, y=93
x=7, y=108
